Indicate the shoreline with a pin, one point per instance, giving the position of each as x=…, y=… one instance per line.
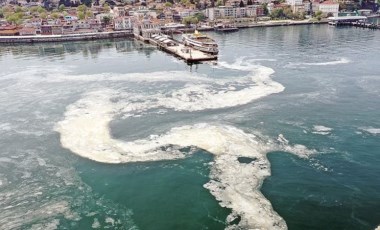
x=64, y=38
x=283, y=23
x=128, y=34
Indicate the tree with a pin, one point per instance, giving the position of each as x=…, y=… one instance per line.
x=106, y=7
x=265, y=7
x=200, y=16
x=61, y=8
x=185, y=2
x=87, y=2
x=43, y=15
x=168, y=4
x=40, y=9
x=190, y=20
x=14, y=18
x=89, y=14
x=277, y=13
x=82, y=8
x=81, y=15
x=55, y=15
x=1, y=13
x=318, y=13
x=288, y=13
x=219, y=3
x=106, y=20
x=18, y=9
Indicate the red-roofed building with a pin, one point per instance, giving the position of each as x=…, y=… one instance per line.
x=8, y=30
x=329, y=8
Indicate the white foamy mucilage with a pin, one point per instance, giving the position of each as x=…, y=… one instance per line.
x=322, y=130
x=234, y=183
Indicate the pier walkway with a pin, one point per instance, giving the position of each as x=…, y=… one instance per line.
x=176, y=48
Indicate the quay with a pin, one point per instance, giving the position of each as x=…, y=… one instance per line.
x=67, y=37
x=176, y=48
x=356, y=21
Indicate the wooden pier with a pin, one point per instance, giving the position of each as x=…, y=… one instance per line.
x=176, y=48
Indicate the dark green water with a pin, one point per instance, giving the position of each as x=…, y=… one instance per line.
x=330, y=104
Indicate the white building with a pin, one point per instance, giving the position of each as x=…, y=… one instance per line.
x=231, y=12
x=123, y=23
x=294, y=2
x=329, y=7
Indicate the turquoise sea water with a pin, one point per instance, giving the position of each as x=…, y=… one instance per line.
x=329, y=104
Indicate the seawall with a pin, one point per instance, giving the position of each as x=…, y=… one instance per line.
x=64, y=38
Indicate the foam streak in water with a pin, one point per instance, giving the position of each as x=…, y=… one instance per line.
x=328, y=63
x=85, y=131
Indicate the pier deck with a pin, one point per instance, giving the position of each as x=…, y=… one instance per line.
x=179, y=50
x=189, y=54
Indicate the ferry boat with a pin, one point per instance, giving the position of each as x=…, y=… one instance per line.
x=200, y=42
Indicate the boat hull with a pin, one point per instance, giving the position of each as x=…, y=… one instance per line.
x=210, y=48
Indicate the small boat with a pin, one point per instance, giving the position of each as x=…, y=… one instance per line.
x=225, y=28
x=200, y=42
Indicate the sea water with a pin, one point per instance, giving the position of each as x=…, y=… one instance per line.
x=281, y=132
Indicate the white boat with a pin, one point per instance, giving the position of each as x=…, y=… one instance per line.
x=200, y=42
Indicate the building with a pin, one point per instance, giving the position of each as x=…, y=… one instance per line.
x=46, y=30
x=145, y=28
x=229, y=12
x=298, y=8
x=123, y=23
x=27, y=31
x=294, y=2
x=119, y=11
x=8, y=30
x=329, y=8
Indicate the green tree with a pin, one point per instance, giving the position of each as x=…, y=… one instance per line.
x=1, y=13
x=43, y=15
x=61, y=8
x=55, y=15
x=40, y=9
x=288, y=13
x=106, y=20
x=265, y=8
x=89, y=14
x=185, y=2
x=18, y=9
x=87, y=2
x=81, y=15
x=168, y=4
x=13, y=19
x=200, y=16
x=106, y=7
x=277, y=13
x=219, y=3
x=190, y=20
x=82, y=8
x=33, y=9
